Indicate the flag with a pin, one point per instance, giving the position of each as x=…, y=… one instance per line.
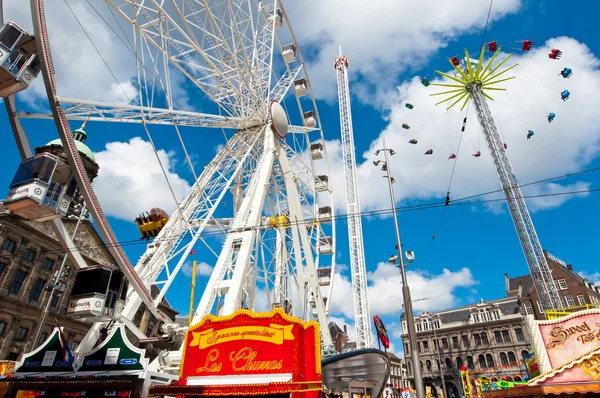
x=67, y=354
x=192, y=251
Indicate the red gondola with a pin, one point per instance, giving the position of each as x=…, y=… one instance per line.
x=492, y=47
x=455, y=61
x=555, y=53
x=527, y=44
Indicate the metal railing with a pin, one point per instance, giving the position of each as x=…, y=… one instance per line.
x=556, y=313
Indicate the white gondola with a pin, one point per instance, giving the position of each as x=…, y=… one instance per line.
x=326, y=245
x=324, y=276
x=19, y=63
x=237, y=244
x=300, y=87
x=322, y=183
x=278, y=18
x=316, y=151
x=324, y=214
x=289, y=53
x=309, y=119
x=42, y=189
x=98, y=294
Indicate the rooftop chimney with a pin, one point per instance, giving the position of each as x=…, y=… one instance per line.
x=570, y=267
x=345, y=330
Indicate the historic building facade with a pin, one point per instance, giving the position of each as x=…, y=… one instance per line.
x=398, y=377
x=489, y=335
x=30, y=255
x=574, y=290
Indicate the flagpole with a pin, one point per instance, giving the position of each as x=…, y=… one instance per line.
x=192, y=293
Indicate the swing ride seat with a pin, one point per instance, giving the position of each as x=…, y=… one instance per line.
x=452, y=156
x=429, y=152
x=425, y=82
x=566, y=73
x=477, y=154
x=551, y=117
x=413, y=141
x=527, y=44
x=492, y=47
x=409, y=106
x=455, y=61
x=405, y=126
x=565, y=95
x=530, y=134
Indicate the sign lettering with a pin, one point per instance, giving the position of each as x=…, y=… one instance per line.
x=560, y=335
x=274, y=334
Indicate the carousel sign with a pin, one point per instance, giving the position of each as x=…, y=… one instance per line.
x=251, y=343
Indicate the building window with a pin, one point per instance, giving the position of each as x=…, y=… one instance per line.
x=455, y=342
x=490, y=360
x=428, y=365
x=524, y=353
x=477, y=338
x=448, y=363
x=511, y=357
x=21, y=334
x=406, y=350
x=459, y=362
x=562, y=284
x=15, y=286
x=9, y=245
x=581, y=299
x=54, y=301
x=528, y=308
x=481, y=360
x=2, y=327
x=484, y=338
x=503, y=359
x=569, y=300
x=498, y=336
x=593, y=299
x=48, y=263
x=445, y=345
x=470, y=363
x=29, y=254
x=506, y=336
x=36, y=290
x=42, y=338
x=436, y=347
x=519, y=333
x=465, y=340
x=425, y=345
x=2, y=268
x=419, y=329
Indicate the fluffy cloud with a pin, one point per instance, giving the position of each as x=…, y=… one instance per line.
x=202, y=269
x=80, y=71
x=131, y=181
x=385, y=293
x=566, y=145
x=382, y=39
x=591, y=276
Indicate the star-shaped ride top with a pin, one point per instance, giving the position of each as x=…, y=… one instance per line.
x=469, y=77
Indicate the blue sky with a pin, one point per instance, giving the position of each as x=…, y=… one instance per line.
x=475, y=243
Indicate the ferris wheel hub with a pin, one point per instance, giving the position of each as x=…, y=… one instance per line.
x=278, y=119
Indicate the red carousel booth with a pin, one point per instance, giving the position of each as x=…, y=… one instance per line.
x=249, y=354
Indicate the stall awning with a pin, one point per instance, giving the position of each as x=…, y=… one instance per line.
x=235, y=389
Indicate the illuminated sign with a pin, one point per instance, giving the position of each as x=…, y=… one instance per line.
x=252, y=343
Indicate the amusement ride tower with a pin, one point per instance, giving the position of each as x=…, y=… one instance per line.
x=472, y=83
x=355, y=238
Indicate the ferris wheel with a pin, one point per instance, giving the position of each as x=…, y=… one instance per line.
x=275, y=244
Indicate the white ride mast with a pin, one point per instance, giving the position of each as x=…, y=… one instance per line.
x=355, y=238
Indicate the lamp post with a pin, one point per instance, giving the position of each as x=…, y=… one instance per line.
x=410, y=320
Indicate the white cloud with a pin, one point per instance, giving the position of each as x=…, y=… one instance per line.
x=130, y=180
x=381, y=39
x=566, y=145
x=592, y=277
x=202, y=269
x=80, y=71
x=385, y=290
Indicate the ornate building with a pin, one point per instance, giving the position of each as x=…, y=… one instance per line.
x=398, y=377
x=574, y=290
x=487, y=337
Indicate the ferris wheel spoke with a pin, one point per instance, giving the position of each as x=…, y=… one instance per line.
x=284, y=83
x=80, y=109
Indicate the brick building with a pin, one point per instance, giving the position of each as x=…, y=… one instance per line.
x=574, y=290
x=482, y=336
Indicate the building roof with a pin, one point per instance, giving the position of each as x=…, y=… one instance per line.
x=525, y=281
x=335, y=330
x=507, y=306
x=393, y=357
x=80, y=146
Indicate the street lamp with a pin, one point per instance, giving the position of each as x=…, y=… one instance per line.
x=408, y=310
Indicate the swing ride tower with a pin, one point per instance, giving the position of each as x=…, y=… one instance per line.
x=355, y=238
x=472, y=84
